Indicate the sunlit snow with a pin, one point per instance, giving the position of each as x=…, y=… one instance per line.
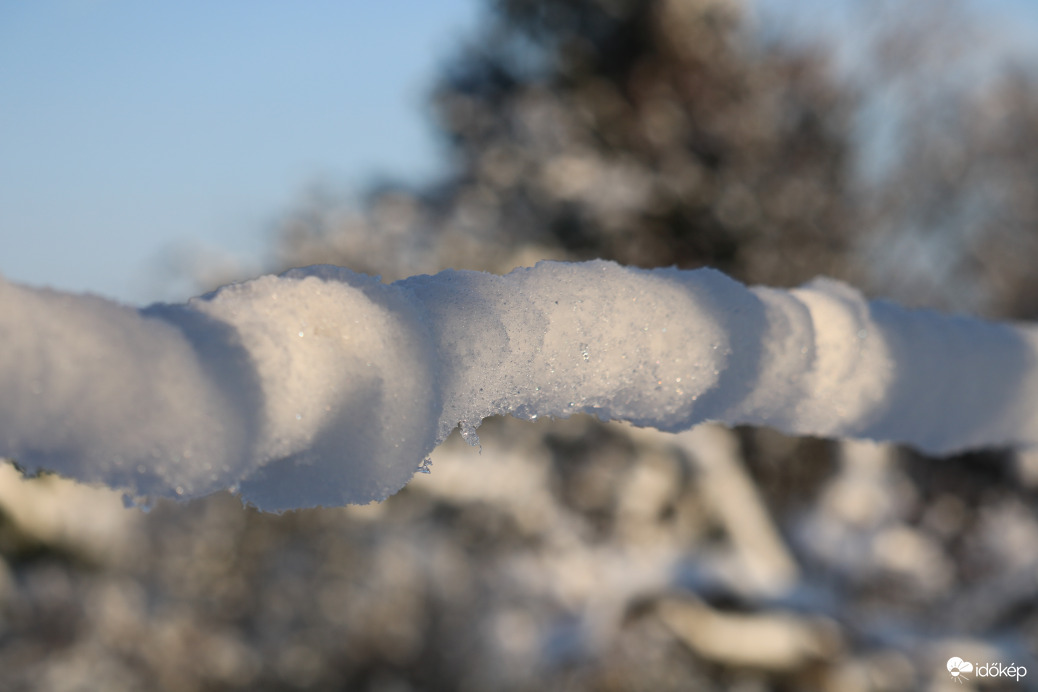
x=326, y=387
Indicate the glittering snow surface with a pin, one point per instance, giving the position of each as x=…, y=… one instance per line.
x=325, y=387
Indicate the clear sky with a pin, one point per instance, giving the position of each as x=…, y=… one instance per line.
x=131, y=129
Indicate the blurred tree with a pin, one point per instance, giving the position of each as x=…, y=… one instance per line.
x=948, y=171
x=652, y=133
x=955, y=219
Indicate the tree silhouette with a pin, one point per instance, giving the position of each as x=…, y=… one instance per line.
x=651, y=133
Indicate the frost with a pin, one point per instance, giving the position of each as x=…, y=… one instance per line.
x=326, y=387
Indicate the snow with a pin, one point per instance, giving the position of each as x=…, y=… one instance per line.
x=326, y=387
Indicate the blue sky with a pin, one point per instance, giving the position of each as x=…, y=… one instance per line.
x=131, y=129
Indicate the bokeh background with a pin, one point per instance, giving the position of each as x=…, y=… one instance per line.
x=155, y=153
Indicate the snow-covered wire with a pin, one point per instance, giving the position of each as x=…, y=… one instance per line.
x=324, y=387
